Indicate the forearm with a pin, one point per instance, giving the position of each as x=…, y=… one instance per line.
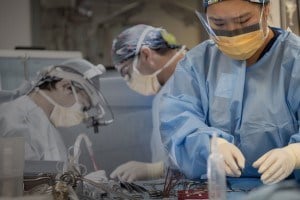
x=183, y=117
x=186, y=139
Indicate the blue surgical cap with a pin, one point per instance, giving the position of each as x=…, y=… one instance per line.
x=125, y=44
x=209, y=2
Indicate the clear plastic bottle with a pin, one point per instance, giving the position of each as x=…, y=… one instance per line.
x=216, y=173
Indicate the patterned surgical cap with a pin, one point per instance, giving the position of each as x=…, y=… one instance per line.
x=206, y=3
x=124, y=45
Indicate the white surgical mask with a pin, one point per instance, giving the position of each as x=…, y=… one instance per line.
x=65, y=116
x=148, y=84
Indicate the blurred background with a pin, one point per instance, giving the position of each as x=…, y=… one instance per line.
x=89, y=26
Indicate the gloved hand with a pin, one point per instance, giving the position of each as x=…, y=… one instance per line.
x=277, y=164
x=233, y=157
x=133, y=170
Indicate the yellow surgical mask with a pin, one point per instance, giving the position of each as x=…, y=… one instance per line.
x=143, y=84
x=242, y=47
x=65, y=116
x=149, y=84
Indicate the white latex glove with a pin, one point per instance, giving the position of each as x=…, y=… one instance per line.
x=277, y=164
x=233, y=157
x=97, y=176
x=133, y=171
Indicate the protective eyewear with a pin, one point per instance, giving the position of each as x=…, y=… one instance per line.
x=243, y=23
x=99, y=112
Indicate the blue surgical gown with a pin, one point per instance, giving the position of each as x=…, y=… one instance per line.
x=159, y=153
x=23, y=118
x=157, y=149
x=255, y=107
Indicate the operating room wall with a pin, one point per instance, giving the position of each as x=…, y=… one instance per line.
x=91, y=25
x=274, y=19
x=15, y=23
x=47, y=23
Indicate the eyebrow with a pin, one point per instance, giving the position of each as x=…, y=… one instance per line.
x=233, y=18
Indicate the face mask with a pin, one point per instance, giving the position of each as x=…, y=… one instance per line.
x=143, y=84
x=65, y=116
x=242, y=47
x=148, y=84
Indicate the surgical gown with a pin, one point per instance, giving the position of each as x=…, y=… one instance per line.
x=22, y=117
x=255, y=107
x=158, y=151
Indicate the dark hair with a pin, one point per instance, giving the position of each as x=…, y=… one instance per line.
x=164, y=51
x=49, y=82
x=160, y=51
x=48, y=85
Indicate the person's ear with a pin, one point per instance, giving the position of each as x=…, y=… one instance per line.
x=64, y=86
x=146, y=54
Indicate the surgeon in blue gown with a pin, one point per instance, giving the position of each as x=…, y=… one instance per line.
x=242, y=84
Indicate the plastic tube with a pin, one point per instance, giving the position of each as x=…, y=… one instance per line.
x=216, y=173
x=89, y=148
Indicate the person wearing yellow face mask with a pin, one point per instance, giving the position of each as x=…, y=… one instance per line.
x=146, y=57
x=243, y=84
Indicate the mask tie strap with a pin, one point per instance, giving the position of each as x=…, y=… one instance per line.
x=138, y=47
x=260, y=20
x=182, y=49
x=74, y=93
x=49, y=99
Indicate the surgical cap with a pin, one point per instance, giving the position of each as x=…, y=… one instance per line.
x=125, y=44
x=78, y=66
x=209, y=2
x=87, y=70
